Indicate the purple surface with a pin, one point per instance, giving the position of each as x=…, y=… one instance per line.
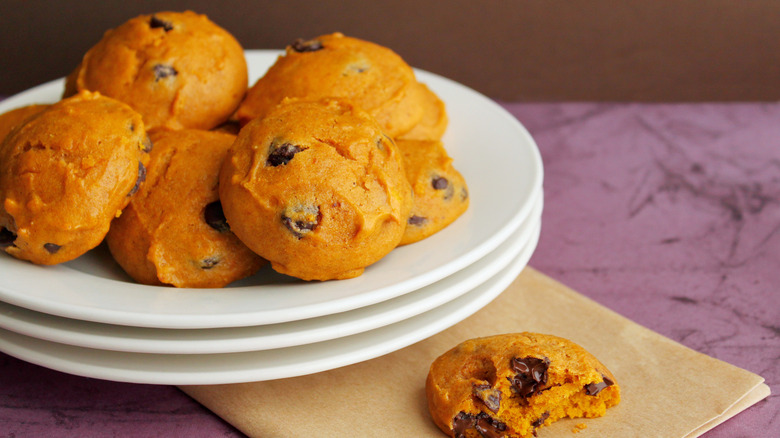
x=667, y=214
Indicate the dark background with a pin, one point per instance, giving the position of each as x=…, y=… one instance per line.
x=535, y=50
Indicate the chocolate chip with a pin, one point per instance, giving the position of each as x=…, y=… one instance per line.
x=215, y=217
x=489, y=427
x=491, y=397
x=595, y=388
x=539, y=421
x=155, y=22
x=140, y=179
x=209, y=263
x=439, y=183
x=147, y=144
x=7, y=238
x=416, y=220
x=301, y=220
x=461, y=423
x=131, y=127
x=531, y=373
x=162, y=71
x=51, y=247
x=282, y=154
x=464, y=194
x=300, y=45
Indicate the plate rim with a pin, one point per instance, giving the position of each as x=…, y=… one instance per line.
x=107, y=337
x=97, y=367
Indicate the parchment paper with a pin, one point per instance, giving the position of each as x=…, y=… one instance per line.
x=668, y=390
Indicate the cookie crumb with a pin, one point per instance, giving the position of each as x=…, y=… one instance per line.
x=578, y=427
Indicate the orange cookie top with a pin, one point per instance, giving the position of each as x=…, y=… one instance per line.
x=65, y=173
x=178, y=69
x=373, y=77
x=16, y=117
x=317, y=189
x=440, y=191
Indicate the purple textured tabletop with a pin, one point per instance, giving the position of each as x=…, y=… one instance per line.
x=667, y=214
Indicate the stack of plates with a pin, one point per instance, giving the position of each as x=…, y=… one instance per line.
x=86, y=317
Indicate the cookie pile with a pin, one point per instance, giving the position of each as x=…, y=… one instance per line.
x=326, y=164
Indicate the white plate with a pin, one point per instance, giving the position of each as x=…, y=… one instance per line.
x=210, y=369
x=490, y=147
x=265, y=337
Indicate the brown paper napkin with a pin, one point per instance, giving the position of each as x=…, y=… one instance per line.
x=668, y=390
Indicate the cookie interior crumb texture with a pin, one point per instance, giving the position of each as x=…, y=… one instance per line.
x=512, y=384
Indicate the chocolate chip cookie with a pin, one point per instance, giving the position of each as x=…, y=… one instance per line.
x=11, y=119
x=316, y=188
x=512, y=384
x=440, y=191
x=178, y=69
x=173, y=231
x=371, y=76
x=65, y=174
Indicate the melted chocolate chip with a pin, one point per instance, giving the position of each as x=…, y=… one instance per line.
x=155, y=22
x=464, y=194
x=301, y=220
x=531, y=373
x=461, y=423
x=489, y=427
x=140, y=179
x=491, y=397
x=416, y=220
x=209, y=263
x=131, y=127
x=215, y=217
x=282, y=154
x=439, y=183
x=596, y=388
x=300, y=45
x=162, y=71
x=52, y=248
x=147, y=144
x=7, y=238
x=539, y=421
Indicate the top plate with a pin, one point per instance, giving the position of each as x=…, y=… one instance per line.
x=492, y=150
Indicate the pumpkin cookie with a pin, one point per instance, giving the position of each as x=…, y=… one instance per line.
x=434, y=121
x=173, y=231
x=440, y=192
x=372, y=77
x=316, y=188
x=178, y=69
x=65, y=174
x=510, y=385
x=16, y=117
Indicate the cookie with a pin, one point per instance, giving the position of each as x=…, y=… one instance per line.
x=371, y=76
x=178, y=69
x=65, y=174
x=512, y=384
x=11, y=119
x=316, y=188
x=434, y=120
x=440, y=192
x=173, y=231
